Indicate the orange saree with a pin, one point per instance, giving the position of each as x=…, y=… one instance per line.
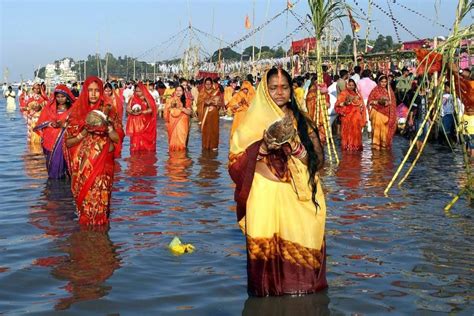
x=239, y=104
x=383, y=117
x=311, y=105
x=177, y=123
x=351, y=110
x=208, y=105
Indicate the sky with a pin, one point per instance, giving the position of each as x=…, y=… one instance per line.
x=38, y=32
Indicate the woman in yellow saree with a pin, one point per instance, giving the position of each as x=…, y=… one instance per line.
x=239, y=104
x=274, y=159
x=177, y=113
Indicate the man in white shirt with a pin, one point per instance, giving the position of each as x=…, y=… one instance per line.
x=154, y=93
x=128, y=93
x=356, y=75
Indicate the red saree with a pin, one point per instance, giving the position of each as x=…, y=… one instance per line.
x=92, y=159
x=50, y=128
x=116, y=101
x=383, y=117
x=352, y=119
x=177, y=123
x=142, y=128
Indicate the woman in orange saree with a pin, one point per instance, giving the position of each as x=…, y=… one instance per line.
x=51, y=126
x=93, y=139
x=209, y=102
x=311, y=105
x=383, y=114
x=177, y=113
x=112, y=97
x=274, y=159
x=141, y=122
x=240, y=102
x=34, y=103
x=351, y=110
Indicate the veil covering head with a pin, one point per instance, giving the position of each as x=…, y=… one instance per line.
x=82, y=107
x=261, y=114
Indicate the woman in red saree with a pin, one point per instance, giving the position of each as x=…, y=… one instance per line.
x=383, y=114
x=208, y=104
x=33, y=105
x=51, y=126
x=351, y=110
x=177, y=113
x=93, y=139
x=141, y=122
x=112, y=97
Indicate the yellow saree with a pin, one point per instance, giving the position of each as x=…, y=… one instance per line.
x=283, y=227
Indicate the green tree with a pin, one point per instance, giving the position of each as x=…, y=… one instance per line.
x=345, y=47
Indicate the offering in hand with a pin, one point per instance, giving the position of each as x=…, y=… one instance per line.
x=281, y=131
x=96, y=122
x=136, y=108
x=383, y=101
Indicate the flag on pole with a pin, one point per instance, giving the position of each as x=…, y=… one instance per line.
x=289, y=5
x=355, y=26
x=248, y=25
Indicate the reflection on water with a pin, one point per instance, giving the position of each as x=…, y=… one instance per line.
x=91, y=259
x=308, y=305
x=399, y=255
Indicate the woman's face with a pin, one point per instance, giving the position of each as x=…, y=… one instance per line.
x=139, y=93
x=208, y=84
x=36, y=89
x=108, y=91
x=61, y=99
x=279, y=89
x=179, y=91
x=94, y=92
x=383, y=82
x=351, y=86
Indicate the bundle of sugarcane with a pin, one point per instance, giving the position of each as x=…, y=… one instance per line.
x=323, y=13
x=446, y=73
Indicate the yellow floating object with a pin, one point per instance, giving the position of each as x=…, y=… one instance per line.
x=177, y=247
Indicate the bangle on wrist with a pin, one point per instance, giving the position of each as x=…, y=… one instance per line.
x=79, y=136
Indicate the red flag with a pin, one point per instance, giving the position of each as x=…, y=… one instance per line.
x=355, y=26
x=248, y=25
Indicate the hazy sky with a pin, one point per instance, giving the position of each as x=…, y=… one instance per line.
x=38, y=32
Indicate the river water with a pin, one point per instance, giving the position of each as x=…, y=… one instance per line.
x=397, y=255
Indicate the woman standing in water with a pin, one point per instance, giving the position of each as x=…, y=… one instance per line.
x=275, y=156
x=177, y=113
x=10, y=95
x=350, y=108
x=34, y=103
x=112, y=97
x=51, y=127
x=141, y=122
x=208, y=104
x=93, y=139
x=240, y=103
x=383, y=115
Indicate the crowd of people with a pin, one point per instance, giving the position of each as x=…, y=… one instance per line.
x=276, y=146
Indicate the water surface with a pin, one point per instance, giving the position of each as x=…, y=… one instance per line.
x=397, y=255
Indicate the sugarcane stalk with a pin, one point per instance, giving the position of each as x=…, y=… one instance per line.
x=425, y=140
x=410, y=149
